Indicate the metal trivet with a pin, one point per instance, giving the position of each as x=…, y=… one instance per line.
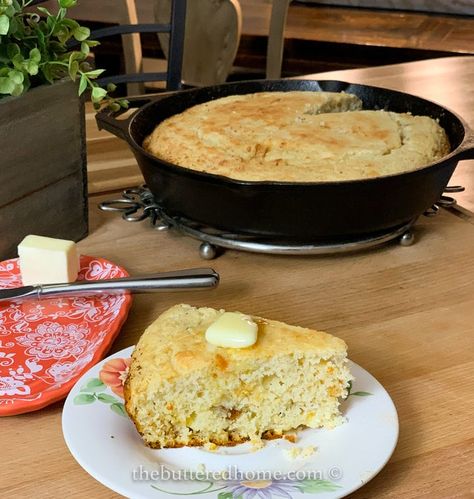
x=138, y=204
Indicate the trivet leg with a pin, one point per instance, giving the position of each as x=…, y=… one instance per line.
x=208, y=251
x=407, y=238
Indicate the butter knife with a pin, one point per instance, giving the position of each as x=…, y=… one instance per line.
x=165, y=281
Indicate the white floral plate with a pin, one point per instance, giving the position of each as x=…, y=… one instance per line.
x=105, y=443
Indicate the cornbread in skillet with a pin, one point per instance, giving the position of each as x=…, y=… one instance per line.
x=181, y=390
x=297, y=137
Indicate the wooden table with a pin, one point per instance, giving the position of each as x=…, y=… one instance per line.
x=407, y=315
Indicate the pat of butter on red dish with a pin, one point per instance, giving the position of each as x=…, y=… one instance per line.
x=45, y=260
x=232, y=330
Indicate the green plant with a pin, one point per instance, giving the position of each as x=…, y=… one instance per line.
x=38, y=47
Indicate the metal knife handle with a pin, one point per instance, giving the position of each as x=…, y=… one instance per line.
x=180, y=279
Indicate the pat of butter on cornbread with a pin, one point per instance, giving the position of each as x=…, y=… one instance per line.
x=182, y=391
x=232, y=330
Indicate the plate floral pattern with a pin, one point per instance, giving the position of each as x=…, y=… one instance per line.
x=112, y=376
x=45, y=345
x=104, y=441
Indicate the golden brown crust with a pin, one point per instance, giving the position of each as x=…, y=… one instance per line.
x=181, y=354
x=296, y=137
x=196, y=442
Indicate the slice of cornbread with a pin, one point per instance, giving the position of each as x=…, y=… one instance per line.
x=181, y=390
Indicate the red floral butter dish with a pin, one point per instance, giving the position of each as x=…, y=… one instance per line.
x=46, y=345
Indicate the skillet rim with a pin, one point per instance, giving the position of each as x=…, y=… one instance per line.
x=217, y=178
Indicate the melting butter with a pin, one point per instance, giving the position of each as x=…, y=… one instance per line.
x=232, y=330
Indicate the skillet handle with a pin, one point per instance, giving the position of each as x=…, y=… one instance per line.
x=467, y=148
x=108, y=120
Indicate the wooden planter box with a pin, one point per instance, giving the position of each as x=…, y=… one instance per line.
x=43, y=177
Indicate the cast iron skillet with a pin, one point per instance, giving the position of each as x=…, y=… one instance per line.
x=290, y=211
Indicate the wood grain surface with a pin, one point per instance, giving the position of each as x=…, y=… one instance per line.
x=36, y=177
x=359, y=26
x=407, y=314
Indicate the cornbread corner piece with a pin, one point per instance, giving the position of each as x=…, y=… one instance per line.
x=182, y=391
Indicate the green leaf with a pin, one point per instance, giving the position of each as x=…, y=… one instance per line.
x=93, y=385
x=82, y=84
x=92, y=43
x=315, y=486
x=361, y=394
x=32, y=67
x=4, y=24
x=35, y=55
x=73, y=69
x=17, y=61
x=6, y=86
x=98, y=94
x=119, y=408
x=50, y=23
x=16, y=76
x=62, y=34
x=225, y=495
x=61, y=14
x=85, y=48
x=17, y=90
x=107, y=399
x=26, y=84
x=81, y=33
x=12, y=50
x=76, y=56
x=41, y=38
x=114, y=106
x=57, y=47
x=11, y=10
x=67, y=4
x=95, y=73
x=71, y=24
x=47, y=73
x=14, y=26
x=44, y=11
x=83, y=399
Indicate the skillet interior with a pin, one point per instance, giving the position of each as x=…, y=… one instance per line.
x=372, y=98
x=295, y=211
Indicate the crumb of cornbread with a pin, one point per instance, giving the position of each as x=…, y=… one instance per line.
x=257, y=444
x=308, y=451
x=295, y=452
x=179, y=392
